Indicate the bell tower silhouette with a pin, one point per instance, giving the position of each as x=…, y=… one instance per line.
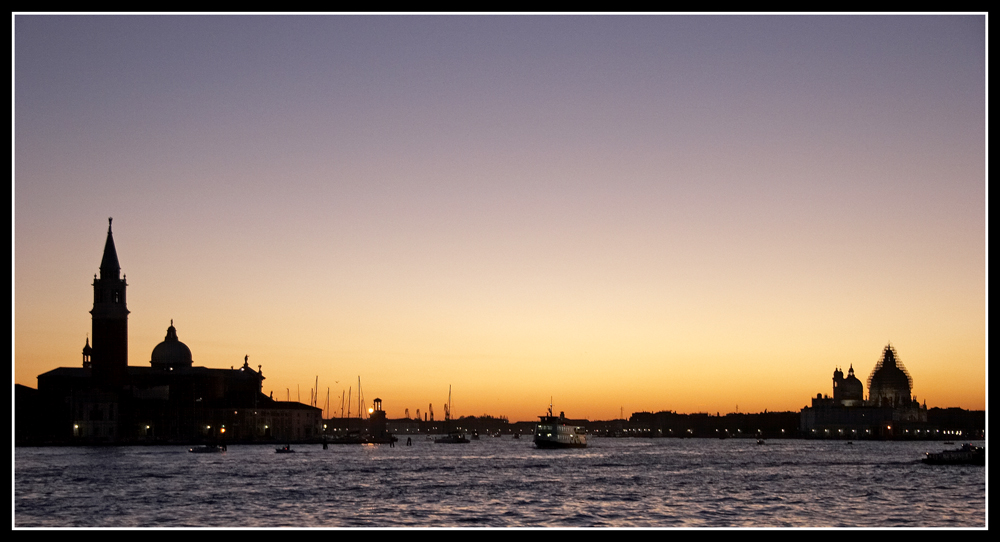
x=109, y=321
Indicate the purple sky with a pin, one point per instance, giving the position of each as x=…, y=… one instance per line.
x=654, y=212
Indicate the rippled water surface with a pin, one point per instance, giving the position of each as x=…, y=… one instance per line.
x=501, y=482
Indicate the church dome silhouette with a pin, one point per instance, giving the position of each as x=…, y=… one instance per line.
x=889, y=384
x=171, y=353
x=852, y=389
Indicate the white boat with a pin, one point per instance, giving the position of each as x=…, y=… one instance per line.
x=556, y=432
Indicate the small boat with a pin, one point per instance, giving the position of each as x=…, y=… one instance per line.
x=454, y=437
x=760, y=441
x=214, y=449
x=554, y=432
x=966, y=455
x=362, y=438
x=350, y=438
x=287, y=449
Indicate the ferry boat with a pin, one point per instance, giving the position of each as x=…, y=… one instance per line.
x=966, y=455
x=554, y=432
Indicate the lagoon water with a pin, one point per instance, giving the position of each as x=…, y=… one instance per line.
x=501, y=482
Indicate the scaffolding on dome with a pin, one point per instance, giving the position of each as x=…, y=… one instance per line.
x=888, y=353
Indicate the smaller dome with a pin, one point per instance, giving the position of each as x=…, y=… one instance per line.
x=171, y=353
x=852, y=389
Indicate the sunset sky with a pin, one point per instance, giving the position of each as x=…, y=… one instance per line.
x=623, y=213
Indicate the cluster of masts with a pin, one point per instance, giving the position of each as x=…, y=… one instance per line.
x=346, y=402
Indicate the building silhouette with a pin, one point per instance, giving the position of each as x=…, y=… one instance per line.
x=109, y=317
x=105, y=400
x=889, y=412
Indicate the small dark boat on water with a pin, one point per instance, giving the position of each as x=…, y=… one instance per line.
x=214, y=449
x=966, y=455
x=454, y=437
x=287, y=449
x=361, y=438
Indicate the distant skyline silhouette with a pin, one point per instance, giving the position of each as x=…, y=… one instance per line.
x=624, y=213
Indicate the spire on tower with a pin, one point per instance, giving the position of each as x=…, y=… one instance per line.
x=109, y=262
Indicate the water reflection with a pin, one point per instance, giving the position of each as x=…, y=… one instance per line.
x=500, y=483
